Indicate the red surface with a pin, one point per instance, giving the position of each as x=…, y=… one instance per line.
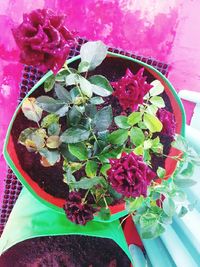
x=165, y=30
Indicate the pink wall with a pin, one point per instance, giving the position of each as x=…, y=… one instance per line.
x=165, y=30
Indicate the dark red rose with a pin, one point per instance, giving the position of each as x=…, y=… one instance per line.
x=168, y=121
x=131, y=89
x=129, y=175
x=43, y=39
x=77, y=211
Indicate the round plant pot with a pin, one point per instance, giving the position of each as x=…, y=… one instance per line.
x=113, y=66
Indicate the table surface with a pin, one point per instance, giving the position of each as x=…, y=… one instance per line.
x=165, y=30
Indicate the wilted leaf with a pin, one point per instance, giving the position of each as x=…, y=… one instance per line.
x=49, y=156
x=49, y=119
x=53, y=142
x=31, y=110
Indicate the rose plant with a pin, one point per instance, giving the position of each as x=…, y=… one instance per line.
x=108, y=136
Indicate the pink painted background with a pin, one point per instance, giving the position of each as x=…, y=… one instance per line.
x=166, y=30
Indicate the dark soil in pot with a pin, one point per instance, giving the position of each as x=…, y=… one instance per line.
x=51, y=179
x=65, y=251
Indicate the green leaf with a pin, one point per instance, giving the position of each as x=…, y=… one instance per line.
x=78, y=150
x=97, y=100
x=188, y=171
x=71, y=79
x=164, y=218
x=74, y=92
x=101, y=85
x=49, y=119
x=90, y=110
x=85, y=86
x=75, y=166
x=152, y=109
x=93, y=53
x=66, y=154
x=62, y=93
x=75, y=135
x=182, y=212
x=139, y=150
x=147, y=144
x=52, y=156
x=134, y=118
x=156, y=146
x=103, y=119
x=69, y=177
x=184, y=183
x=61, y=75
x=180, y=143
x=83, y=66
x=161, y=172
x=74, y=116
x=157, y=88
x=152, y=232
x=54, y=129
x=148, y=219
x=137, y=136
x=169, y=206
x=121, y=122
x=150, y=226
x=49, y=83
x=31, y=110
x=152, y=123
x=91, y=168
x=146, y=155
x=106, y=155
x=157, y=101
x=104, y=214
x=52, y=105
x=118, y=137
x=53, y=142
x=134, y=204
x=87, y=183
x=105, y=168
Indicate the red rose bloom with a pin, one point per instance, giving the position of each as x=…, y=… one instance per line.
x=76, y=211
x=131, y=89
x=168, y=121
x=43, y=39
x=129, y=175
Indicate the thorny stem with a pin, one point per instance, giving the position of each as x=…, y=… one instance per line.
x=95, y=138
x=124, y=219
x=105, y=202
x=86, y=194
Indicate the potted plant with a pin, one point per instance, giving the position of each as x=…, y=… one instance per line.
x=101, y=138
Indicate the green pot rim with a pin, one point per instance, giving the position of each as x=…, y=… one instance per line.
x=40, y=82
